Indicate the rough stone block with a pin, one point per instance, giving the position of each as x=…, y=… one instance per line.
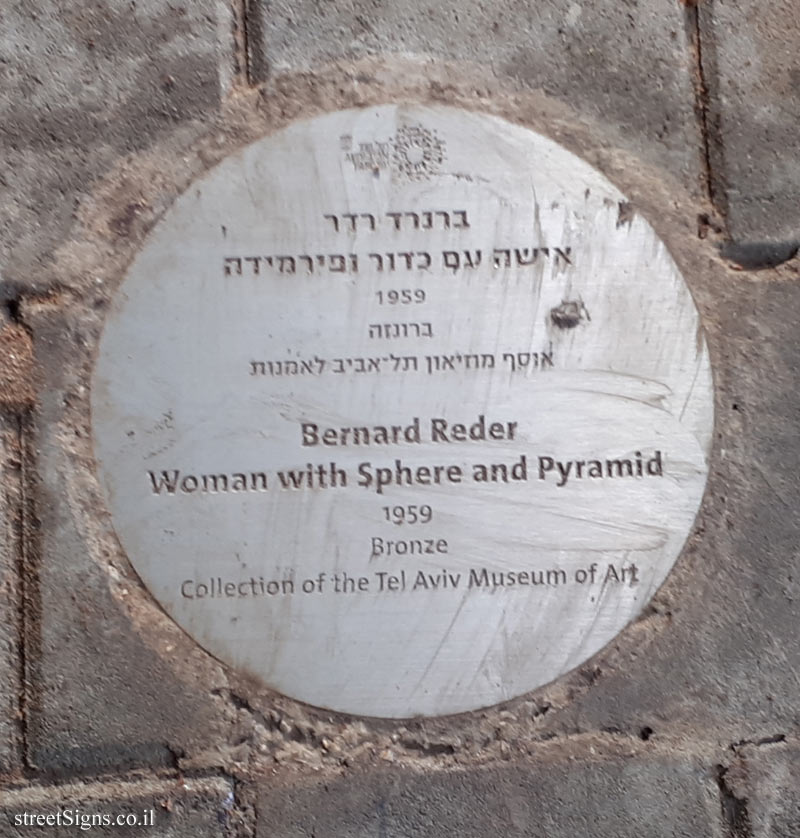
x=752, y=70
x=645, y=797
x=10, y=682
x=177, y=808
x=113, y=685
x=626, y=65
x=82, y=84
x=760, y=790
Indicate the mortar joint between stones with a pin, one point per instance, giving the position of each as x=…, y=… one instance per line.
x=702, y=104
x=243, y=50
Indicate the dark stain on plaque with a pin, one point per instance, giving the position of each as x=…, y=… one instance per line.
x=569, y=314
x=625, y=213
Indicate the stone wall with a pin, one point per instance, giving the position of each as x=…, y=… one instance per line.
x=686, y=725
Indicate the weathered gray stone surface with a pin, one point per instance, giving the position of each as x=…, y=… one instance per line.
x=628, y=65
x=579, y=795
x=761, y=790
x=83, y=83
x=103, y=697
x=182, y=809
x=752, y=69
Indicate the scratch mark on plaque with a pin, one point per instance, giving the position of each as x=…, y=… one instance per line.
x=691, y=389
x=635, y=377
x=589, y=630
x=490, y=647
x=654, y=401
x=441, y=642
x=699, y=340
x=658, y=532
x=250, y=191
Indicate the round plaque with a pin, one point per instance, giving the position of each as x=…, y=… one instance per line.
x=404, y=411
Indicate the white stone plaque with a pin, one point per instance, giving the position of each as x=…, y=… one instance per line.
x=404, y=411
